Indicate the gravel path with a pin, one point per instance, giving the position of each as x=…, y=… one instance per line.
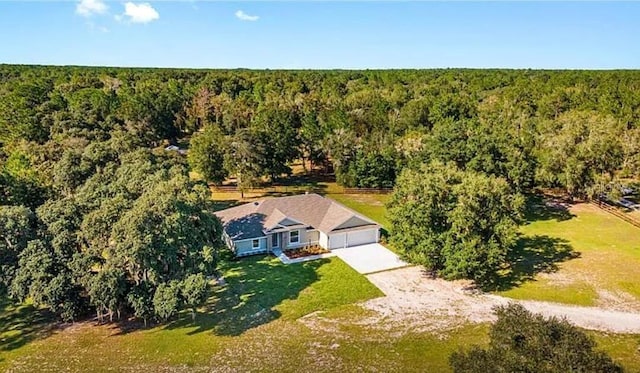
x=419, y=302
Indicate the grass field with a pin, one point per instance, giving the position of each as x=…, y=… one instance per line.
x=249, y=325
x=578, y=255
x=252, y=324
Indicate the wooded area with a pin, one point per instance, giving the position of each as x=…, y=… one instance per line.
x=96, y=215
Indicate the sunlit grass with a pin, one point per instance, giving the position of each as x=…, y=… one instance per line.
x=608, y=251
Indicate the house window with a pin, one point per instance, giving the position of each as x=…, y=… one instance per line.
x=294, y=236
x=255, y=244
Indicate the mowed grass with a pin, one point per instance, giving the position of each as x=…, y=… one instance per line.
x=251, y=324
x=263, y=298
x=295, y=290
x=281, y=345
x=594, y=258
x=254, y=324
x=623, y=348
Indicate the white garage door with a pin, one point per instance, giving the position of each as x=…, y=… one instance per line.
x=337, y=241
x=355, y=238
x=361, y=237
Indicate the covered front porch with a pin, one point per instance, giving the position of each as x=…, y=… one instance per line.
x=292, y=238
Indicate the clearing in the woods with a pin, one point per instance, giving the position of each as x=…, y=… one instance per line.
x=326, y=316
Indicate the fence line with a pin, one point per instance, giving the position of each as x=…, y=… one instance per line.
x=300, y=188
x=367, y=190
x=614, y=211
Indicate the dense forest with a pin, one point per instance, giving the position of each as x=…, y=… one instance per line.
x=97, y=216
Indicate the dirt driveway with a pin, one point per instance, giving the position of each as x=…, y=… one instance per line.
x=418, y=302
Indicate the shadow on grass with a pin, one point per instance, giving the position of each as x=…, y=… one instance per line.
x=21, y=324
x=255, y=286
x=533, y=255
x=547, y=208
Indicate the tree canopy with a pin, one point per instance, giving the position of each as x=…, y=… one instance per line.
x=97, y=216
x=521, y=341
x=459, y=224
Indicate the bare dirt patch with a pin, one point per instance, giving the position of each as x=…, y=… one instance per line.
x=416, y=302
x=617, y=300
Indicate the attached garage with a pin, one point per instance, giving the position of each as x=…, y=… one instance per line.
x=363, y=237
x=353, y=238
x=337, y=240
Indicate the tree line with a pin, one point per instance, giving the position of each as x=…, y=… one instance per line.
x=97, y=216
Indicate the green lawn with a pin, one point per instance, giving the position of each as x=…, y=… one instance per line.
x=252, y=324
x=576, y=255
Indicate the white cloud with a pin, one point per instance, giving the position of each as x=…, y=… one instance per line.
x=139, y=13
x=87, y=8
x=245, y=17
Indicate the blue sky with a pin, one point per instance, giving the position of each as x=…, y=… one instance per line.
x=336, y=34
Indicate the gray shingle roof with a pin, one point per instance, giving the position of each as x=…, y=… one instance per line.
x=251, y=219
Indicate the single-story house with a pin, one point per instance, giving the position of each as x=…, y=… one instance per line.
x=292, y=222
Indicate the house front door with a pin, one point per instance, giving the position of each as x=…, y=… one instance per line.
x=275, y=242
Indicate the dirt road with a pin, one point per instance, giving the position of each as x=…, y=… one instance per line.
x=417, y=302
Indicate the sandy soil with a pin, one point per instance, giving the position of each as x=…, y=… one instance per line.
x=415, y=302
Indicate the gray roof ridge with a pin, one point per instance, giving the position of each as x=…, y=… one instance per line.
x=353, y=214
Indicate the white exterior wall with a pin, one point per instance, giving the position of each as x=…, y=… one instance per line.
x=324, y=240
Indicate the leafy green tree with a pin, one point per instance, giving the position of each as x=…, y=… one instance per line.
x=456, y=223
x=577, y=149
x=206, y=154
x=194, y=292
x=372, y=170
x=140, y=298
x=166, y=300
x=151, y=109
x=244, y=159
x=342, y=146
x=311, y=137
x=20, y=183
x=529, y=343
x=277, y=130
x=75, y=149
x=414, y=115
x=166, y=233
x=22, y=111
x=107, y=291
x=43, y=277
x=17, y=228
x=70, y=172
